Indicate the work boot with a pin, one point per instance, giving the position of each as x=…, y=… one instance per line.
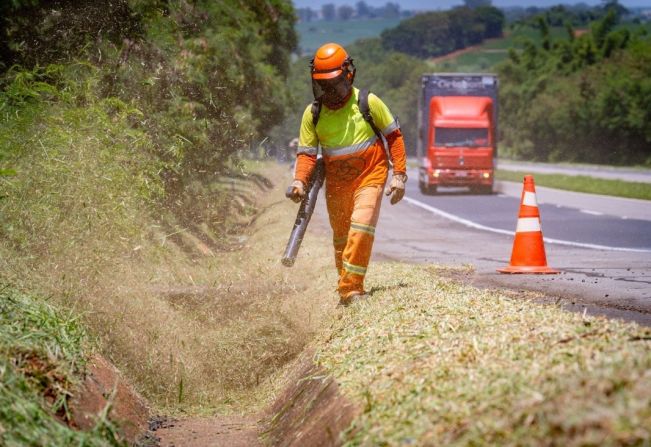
x=352, y=297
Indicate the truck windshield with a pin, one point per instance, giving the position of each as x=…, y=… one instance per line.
x=461, y=137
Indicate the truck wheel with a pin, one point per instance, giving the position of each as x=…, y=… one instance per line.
x=482, y=189
x=427, y=189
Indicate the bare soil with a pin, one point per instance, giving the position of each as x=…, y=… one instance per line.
x=309, y=412
x=232, y=431
x=102, y=386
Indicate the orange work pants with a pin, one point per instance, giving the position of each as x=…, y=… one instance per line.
x=353, y=215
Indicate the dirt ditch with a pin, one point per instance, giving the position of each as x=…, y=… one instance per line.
x=253, y=370
x=309, y=411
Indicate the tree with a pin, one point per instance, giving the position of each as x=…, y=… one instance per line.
x=390, y=10
x=615, y=6
x=306, y=14
x=477, y=3
x=493, y=20
x=328, y=11
x=345, y=12
x=363, y=10
x=436, y=33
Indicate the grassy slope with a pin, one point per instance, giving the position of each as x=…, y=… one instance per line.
x=583, y=183
x=435, y=362
x=314, y=34
x=194, y=317
x=42, y=353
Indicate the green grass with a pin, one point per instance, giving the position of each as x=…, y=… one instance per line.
x=582, y=183
x=42, y=352
x=314, y=34
x=431, y=361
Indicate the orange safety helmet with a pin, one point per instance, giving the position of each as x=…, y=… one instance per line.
x=333, y=73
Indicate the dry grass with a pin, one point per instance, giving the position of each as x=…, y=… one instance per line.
x=200, y=320
x=434, y=362
x=202, y=333
x=182, y=286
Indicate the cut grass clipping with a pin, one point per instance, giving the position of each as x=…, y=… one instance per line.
x=582, y=183
x=434, y=362
x=41, y=354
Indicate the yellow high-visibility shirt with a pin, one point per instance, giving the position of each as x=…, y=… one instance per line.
x=353, y=154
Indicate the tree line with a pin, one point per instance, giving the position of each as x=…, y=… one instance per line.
x=361, y=10
x=437, y=33
x=196, y=71
x=585, y=98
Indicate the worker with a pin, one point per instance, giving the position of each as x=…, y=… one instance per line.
x=356, y=162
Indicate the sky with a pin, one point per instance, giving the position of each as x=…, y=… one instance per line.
x=445, y=4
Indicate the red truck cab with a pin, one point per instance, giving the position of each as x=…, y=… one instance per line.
x=458, y=146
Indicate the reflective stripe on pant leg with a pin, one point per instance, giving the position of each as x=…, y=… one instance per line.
x=356, y=256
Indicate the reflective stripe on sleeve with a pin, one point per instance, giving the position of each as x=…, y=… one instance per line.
x=390, y=128
x=526, y=224
x=347, y=150
x=309, y=150
x=362, y=228
x=357, y=269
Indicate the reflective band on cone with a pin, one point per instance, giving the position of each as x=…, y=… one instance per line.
x=527, y=224
x=528, y=254
x=529, y=199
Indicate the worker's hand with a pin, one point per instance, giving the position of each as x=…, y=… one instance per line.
x=396, y=188
x=296, y=191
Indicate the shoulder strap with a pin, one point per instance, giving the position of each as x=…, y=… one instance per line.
x=316, y=111
x=365, y=109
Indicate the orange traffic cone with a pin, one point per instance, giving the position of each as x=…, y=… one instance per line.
x=528, y=255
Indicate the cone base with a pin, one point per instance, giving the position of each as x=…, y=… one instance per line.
x=540, y=270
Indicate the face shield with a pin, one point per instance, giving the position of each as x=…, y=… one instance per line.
x=333, y=87
x=331, y=91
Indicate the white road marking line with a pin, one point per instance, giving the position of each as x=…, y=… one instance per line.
x=593, y=213
x=477, y=226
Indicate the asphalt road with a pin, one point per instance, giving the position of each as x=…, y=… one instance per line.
x=612, y=278
x=559, y=222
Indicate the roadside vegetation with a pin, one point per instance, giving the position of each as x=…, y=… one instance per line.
x=127, y=200
x=42, y=356
x=583, y=183
x=434, y=362
x=583, y=99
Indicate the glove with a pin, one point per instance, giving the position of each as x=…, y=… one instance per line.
x=396, y=189
x=296, y=191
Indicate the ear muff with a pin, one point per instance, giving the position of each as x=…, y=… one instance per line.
x=349, y=69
